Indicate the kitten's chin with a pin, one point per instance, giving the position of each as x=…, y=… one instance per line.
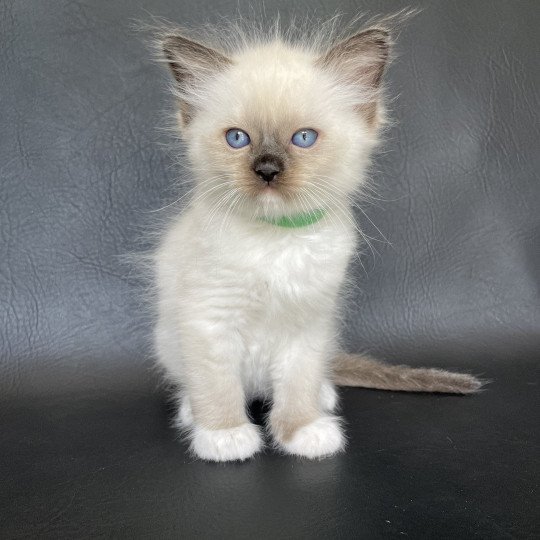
x=270, y=203
x=270, y=196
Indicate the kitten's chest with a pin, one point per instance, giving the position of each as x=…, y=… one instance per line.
x=289, y=268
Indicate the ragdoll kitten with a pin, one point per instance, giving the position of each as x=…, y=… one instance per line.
x=278, y=135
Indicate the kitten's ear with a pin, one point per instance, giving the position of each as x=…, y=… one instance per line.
x=360, y=60
x=191, y=64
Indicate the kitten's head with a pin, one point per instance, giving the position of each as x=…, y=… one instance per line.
x=276, y=127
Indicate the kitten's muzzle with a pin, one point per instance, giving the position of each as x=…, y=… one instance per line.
x=267, y=167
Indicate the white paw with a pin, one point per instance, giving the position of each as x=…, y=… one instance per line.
x=322, y=437
x=231, y=444
x=329, y=397
x=184, y=417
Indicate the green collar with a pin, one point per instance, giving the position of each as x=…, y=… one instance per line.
x=296, y=221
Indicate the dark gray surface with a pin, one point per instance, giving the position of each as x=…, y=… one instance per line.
x=84, y=447
x=103, y=465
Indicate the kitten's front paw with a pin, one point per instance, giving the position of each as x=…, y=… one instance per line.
x=320, y=438
x=232, y=444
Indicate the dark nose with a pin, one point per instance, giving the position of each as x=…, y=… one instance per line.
x=267, y=167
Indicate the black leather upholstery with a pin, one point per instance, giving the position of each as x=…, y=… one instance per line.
x=85, y=448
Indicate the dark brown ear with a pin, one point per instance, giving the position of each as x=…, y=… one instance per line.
x=191, y=60
x=191, y=64
x=360, y=60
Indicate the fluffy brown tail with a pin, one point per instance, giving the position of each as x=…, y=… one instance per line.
x=359, y=370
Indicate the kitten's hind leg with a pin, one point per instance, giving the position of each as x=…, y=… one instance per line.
x=184, y=416
x=328, y=397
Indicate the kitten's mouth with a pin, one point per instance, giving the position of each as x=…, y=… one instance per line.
x=272, y=192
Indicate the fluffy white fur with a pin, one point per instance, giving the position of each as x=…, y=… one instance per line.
x=247, y=309
x=254, y=303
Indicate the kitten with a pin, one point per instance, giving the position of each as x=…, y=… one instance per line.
x=279, y=134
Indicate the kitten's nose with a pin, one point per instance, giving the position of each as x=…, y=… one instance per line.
x=267, y=167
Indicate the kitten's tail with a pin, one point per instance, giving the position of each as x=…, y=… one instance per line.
x=360, y=370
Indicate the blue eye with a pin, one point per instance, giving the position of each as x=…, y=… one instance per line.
x=305, y=138
x=237, y=138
